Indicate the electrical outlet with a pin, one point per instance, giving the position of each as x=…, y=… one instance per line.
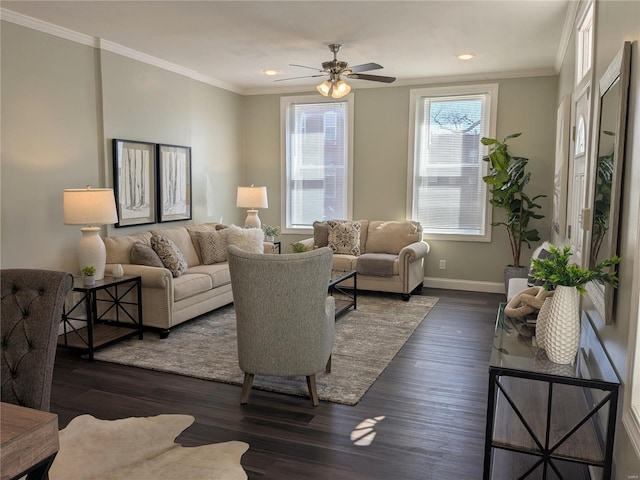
x=443, y=264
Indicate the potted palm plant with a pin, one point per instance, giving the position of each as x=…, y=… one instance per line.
x=270, y=232
x=559, y=332
x=507, y=180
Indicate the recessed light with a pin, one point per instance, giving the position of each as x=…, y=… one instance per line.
x=466, y=56
x=270, y=72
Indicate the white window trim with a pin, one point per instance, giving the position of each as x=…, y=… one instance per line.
x=284, y=118
x=492, y=90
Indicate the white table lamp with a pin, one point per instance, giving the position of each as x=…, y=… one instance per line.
x=252, y=198
x=91, y=207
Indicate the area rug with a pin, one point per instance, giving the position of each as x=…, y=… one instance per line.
x=141, y=448
x=367, y=339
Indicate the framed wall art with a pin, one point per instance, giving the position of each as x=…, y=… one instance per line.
x=174, y=183
x=134, y=182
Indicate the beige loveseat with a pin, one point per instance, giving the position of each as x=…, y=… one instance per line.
x=167, y=299
x=388, y=255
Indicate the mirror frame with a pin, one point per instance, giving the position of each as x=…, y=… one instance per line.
x=602, y=295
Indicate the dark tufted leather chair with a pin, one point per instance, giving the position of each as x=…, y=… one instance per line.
x=31, y=309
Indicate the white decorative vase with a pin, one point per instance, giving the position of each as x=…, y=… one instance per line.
x=541, y=322
x=118, y=271
x=562, y=335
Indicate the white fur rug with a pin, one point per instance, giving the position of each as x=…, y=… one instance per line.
x=141, y=448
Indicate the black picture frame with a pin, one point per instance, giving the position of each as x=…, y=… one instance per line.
x=134, y=182
x=174, y=182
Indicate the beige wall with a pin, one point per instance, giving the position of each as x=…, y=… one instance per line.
x=617, y=21
x=63, y=102
x=381, y=159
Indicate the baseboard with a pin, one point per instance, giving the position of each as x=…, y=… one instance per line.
x=466, y=285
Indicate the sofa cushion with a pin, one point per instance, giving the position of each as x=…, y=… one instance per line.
x=119, y=247
x=170, y=254
x=320, y=234
x=201, y=227
x=213, y=246
x=248, y=239
x=182, y=240
x=345, y=262
x=392, y=236
x=191, y=284
x=218, y=272
x=344, y=237
x=142, y=254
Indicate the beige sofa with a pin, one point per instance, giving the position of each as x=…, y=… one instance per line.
x=168, y=300
x=389, y=258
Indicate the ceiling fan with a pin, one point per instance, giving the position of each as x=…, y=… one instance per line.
x=336, y=69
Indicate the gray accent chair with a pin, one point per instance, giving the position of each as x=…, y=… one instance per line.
x=285, y=318
x=31, y=309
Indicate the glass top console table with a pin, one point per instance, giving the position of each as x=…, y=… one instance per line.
x=546, y=420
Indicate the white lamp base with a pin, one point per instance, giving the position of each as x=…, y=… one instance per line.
x=252, y=219
x=91, y=251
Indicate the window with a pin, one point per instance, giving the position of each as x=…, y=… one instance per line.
x=446, y=193
x=317, y=160
x=584, y=45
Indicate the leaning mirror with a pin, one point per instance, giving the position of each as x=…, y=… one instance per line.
x=609, y=163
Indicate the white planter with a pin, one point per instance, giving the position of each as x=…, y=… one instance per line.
x=562, y=335
x=89, y=280
x=541, y=322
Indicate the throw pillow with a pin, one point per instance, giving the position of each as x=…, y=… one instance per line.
x=170, y=255
x=320, y=234
x=248, y=239
x=344, y=237
x=213, y=246
x=142, y=254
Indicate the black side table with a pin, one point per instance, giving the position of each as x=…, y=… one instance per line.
x=277, y=245
x=113, y=312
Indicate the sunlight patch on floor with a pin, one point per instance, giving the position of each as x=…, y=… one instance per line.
x=364, y=434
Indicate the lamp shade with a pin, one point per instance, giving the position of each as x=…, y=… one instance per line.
x=89, y=206
x=252, y=197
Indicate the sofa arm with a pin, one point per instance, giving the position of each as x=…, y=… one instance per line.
x=411, y=253
x=414, y=251
x=152, y=277
x=308, y=243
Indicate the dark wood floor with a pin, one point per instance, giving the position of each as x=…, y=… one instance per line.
x=432, y=397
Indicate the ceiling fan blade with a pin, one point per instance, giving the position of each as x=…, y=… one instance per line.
x=365, y=67
x=304, y=66
x=304, y=76
x=374, y=78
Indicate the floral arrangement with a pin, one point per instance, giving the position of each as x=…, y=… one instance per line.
x=271, y=231
x=556, y=270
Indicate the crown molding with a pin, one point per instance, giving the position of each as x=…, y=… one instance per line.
x=101, y=44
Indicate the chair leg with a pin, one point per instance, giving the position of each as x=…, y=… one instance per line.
x=313, y=393
x=246, y=388
x=327, y=369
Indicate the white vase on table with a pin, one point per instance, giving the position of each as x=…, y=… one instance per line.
x=562, y=336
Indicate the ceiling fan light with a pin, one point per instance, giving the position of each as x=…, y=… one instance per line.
x=340, y=89
x=324, y=88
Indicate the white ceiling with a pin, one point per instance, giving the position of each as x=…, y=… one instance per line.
x=231, y=42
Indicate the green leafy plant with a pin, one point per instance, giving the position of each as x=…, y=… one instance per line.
x=507, y=179
x=298, y=247
x=271, y=231
x=88, y=270
x=556, y=270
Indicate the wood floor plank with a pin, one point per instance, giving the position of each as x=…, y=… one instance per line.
x=432, y=397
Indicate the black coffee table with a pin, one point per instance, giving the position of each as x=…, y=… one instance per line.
x=347, y=299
